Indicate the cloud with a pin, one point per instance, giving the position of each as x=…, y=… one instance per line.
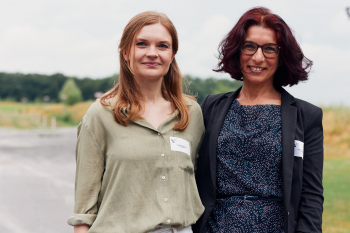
x=80, y=38
x=56, y=49
x=198, y=55
x=328, y=59
x=329, y=80
x=340, y=23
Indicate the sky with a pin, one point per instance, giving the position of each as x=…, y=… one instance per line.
x=80, y=38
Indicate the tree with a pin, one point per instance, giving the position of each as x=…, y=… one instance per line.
x=225, y=85
x=70, y=94
x=200, y=88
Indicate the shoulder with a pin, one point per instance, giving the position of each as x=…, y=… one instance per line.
x=307, y=109
x=192, y=104
x=97, y=123
x=311, y=114
x=195, y=114
x=190, y=101
x=96, y=116
x=96, y=110
x=212, y=101
x=306, y=106
x=217, y=97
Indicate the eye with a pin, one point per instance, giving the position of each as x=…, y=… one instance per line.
x=140, y=44
x=249, y=46
x=270, y=48
x=163, y=46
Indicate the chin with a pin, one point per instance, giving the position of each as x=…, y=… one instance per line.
x=153, y=76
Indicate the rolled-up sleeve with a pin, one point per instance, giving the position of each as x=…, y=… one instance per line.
x=89, y=173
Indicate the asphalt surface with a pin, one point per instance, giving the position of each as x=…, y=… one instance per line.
x=37, y=169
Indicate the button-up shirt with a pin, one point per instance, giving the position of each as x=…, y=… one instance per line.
x=133, y=178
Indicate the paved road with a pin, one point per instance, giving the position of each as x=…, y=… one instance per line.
x=37, y=169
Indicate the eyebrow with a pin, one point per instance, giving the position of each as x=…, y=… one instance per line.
x=163, y=41
x=261, y=45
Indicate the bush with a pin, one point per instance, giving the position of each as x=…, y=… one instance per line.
x=70, y=93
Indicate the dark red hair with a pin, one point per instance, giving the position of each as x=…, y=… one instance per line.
x=294, y=65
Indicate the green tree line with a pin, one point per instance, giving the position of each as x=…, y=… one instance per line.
x=36, y=87
x=33, y=87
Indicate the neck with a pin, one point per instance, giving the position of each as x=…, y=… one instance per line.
x=151, y=90
x=253, y=94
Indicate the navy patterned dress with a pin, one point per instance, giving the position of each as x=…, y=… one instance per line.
x=249, y=163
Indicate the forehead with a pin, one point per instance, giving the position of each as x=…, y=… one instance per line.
x=261, y=35
x=154, y=32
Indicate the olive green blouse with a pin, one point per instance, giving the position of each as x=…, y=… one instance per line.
x=133, y=178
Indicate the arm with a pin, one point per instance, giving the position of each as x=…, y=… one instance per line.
x=89, y=173
x=197, y=117
x=311, y=203
x=81, y=228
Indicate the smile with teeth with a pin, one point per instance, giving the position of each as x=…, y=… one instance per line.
x=256, y=68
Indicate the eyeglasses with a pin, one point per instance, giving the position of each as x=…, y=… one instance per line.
x=269, y=50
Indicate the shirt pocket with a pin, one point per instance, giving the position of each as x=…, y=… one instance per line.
x=184, y=160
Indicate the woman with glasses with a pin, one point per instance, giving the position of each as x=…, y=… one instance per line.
x=261, y=160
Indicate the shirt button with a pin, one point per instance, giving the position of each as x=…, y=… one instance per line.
x=162, y=155
x=159, y=134
x=168, y=221
x=163, y=177
x=165, y=199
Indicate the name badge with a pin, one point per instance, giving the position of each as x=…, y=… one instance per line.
x=179, y=144
x=299, y=149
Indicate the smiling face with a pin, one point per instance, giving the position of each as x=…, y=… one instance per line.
x=151, y=54
x=257, y=69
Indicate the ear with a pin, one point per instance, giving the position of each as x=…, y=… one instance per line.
x=172, y=57
x=124, y=55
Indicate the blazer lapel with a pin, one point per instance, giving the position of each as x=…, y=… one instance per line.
x=218, y=117
x=289, y=120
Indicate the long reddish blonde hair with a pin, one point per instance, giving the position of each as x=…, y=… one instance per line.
x=127, y=91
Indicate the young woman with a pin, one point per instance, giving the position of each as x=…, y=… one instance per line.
x=261, y=160
x=136, y=152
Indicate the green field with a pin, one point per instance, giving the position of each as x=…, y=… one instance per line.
x=336, y=123
x=336, y=181
x=32, y=115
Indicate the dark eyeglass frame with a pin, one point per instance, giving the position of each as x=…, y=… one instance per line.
x=262, y=48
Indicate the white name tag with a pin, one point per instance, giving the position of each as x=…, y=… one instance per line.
x=179, y=144
x=299, y=149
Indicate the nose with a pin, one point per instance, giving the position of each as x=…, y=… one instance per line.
x=152, y=51
x=258, y=56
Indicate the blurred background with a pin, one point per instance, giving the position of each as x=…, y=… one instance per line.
x=57, y=57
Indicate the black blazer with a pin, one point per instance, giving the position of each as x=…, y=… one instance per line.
x=302, y=177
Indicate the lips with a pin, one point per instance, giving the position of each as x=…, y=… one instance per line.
x=256, y=69
x=151, y=64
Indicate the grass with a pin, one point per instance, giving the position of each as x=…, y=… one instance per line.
x=336, y=125
x=33, y=115
x=336, y=179
x=336, y=182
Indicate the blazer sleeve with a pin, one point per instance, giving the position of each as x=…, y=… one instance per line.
x=311, y=203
